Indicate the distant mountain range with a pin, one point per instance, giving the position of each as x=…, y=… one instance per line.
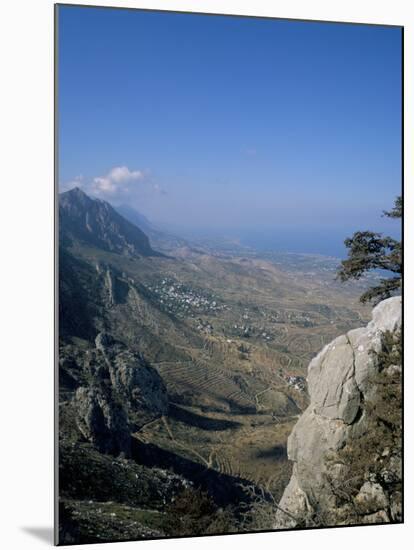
x=160, y=239
x=137, y=219
x=96, y=223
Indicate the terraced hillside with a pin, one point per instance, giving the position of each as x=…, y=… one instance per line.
x=229, y=336
x=237, y=351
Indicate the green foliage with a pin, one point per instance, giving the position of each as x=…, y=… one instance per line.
x=391, y=350
x=385, y=289
x=367, y=251
x=397, y=210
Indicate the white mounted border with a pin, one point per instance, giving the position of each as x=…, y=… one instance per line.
x=26, y=115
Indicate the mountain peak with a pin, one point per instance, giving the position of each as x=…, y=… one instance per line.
x=75, y=196
x=77, y=191
x=74, y=192
x=96, y=223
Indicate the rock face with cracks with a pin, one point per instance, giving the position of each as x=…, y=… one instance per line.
x=139, y=386
x=125, y=394
x=102, y=422
x=339, y=386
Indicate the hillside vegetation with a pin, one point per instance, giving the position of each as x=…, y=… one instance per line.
x=181, y=377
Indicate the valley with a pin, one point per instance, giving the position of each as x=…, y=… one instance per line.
x=230, y=335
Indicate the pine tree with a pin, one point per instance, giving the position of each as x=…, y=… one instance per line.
x=368, y=250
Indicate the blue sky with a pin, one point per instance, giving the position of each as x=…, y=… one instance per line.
x=237, y=123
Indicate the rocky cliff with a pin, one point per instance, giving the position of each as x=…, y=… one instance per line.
x=346, y=446
x=96, y=223
x=116, y=393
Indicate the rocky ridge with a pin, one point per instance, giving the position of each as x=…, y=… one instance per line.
x=340, y=386
x=96, y=223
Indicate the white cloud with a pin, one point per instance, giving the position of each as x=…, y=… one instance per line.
x=117, y=181
x=120, y=183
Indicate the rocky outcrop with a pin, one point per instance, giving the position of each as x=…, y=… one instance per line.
x=118, y=393
x=340, y=384
x=140, y=387
x=102, y=422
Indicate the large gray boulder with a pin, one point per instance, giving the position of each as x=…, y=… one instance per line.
x=338, y=382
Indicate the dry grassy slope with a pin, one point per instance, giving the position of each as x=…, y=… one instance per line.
x=218, y=389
